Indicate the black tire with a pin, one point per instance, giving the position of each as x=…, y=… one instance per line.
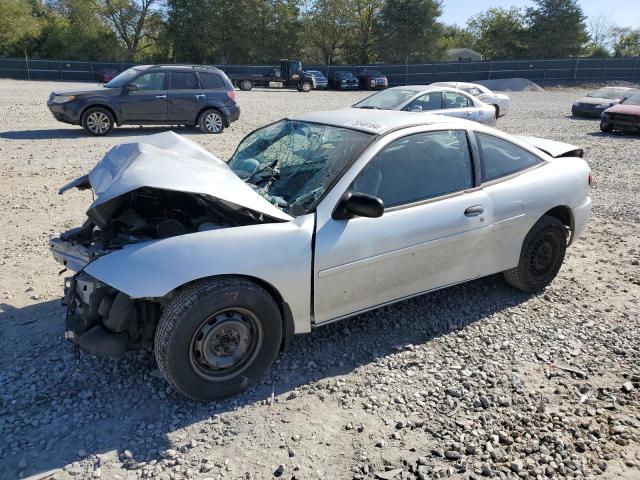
x=541, y=257
x=246, y=85
x=605, y=126
x=305, y=87
x=211, y=121
x=97, y=121
x=497, y=108
x=183, y=349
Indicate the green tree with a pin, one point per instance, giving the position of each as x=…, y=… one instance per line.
x=277, y=25
x=19, y=27
x=627, y=43
x=409, y=30
x=327, y=28
x=556, y=29
x=454, y=36
x=130, y=21
x=361, y=45
x=499, y=33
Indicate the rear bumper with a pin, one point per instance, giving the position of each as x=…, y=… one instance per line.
x=580, y=217
x=232, y=113
x=587, y=112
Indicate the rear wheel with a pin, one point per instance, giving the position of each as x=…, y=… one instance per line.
x=605, y=126
x=541, y=257
x=211, y=121
x=218, y=338
x=97, y=121
x=246, y=85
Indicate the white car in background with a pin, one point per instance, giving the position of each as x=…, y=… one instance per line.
x=440, y=100
x=500, y=102
x=315, y=218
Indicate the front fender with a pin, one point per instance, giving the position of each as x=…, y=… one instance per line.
x=276, y=253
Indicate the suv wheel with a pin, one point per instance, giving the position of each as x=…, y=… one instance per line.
x=246, y=85
x=218, y=338
x=211, y=121
x=97, y=121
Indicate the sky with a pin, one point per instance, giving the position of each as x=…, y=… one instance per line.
x=623, y=12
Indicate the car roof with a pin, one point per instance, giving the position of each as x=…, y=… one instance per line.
x=181, y=67
x=427, y=88
x=378, y=122
x=461, y=84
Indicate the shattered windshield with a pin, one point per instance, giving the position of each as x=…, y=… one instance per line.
x=387, y=99
x=608, y=93
x=292, y=163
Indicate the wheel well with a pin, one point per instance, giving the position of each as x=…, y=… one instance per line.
x=106, y=107
x=210, y=107
x=564, y=214
x=497, y=109
x=288, y=327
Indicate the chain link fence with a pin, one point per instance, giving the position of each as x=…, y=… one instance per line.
x=570, y=70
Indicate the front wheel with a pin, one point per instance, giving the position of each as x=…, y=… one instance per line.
x=97, y=121
x=211, y=121
x=605, y=126
x=246, y=85
x=305, y=87
x=218, y=338
x=541, y=256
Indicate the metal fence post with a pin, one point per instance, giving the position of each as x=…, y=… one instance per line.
x=406, y=74
x=604, y=70
x=61, y=74
x=26, y=61
x=490, y=68
x=544, y=72
x=575, y=70
x=91, y=68
x=635, y=68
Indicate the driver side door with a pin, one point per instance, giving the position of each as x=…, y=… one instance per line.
x=433, y=228
x=149, y=102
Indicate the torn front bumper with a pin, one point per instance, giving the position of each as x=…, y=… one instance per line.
x=72, y=256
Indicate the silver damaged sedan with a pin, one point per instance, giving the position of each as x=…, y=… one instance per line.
x=432, y=99
x=314, y=218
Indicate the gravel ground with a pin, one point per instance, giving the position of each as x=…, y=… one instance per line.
x=476, y=380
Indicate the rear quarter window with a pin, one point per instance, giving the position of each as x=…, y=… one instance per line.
x=501, y=157
x=210, y=81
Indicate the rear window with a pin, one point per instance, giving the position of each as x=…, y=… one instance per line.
x=210, y=81
x=183, y=81
x=501, y=158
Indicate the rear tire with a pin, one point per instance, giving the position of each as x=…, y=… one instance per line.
x=541, y=257
x=211, y=121
x=246, y=85
x=97, y=121
x=605, y=126
x=218, y=338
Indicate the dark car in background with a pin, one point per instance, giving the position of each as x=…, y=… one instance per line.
x=190, y=95
x=343, y=80
x=105, y=75
x=596, y=102
x=372, y=80
x=624, y=116
x=320, y=82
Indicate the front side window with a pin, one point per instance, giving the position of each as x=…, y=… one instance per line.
x=418, y=167
x=501, y=157
x=292, y=163
x=210, y=81
x=429, y=101
x=456, y=100
x=151, y=81
x=183, y=81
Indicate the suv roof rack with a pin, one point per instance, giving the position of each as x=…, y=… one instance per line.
x=184, y=65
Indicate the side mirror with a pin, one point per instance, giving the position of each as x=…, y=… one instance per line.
x=358, y=205
x=415, y=108
x=132, y=87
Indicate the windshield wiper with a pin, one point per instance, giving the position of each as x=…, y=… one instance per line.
x=271, y=166
x=369, y=107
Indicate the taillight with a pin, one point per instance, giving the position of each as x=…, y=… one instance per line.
x=590, y=178
x=232, y=95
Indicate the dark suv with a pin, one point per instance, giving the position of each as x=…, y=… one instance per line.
x=152, y=95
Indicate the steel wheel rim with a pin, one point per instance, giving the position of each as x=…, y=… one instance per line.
x=98, y=122
x=225, y=344
x=306, y=87
x=543, y=256
x=213, y=122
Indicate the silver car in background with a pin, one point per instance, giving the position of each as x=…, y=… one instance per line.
x=315, y=218
x=501, y=102
x=438, y=100
x=594, y=103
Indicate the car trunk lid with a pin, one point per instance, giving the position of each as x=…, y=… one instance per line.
x=553, y=148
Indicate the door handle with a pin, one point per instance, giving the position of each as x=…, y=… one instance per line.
x=474, y=211
x=161, y=97
x=200, y=95
x=468, y=114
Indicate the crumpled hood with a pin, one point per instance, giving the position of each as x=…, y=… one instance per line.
x=168, y=161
